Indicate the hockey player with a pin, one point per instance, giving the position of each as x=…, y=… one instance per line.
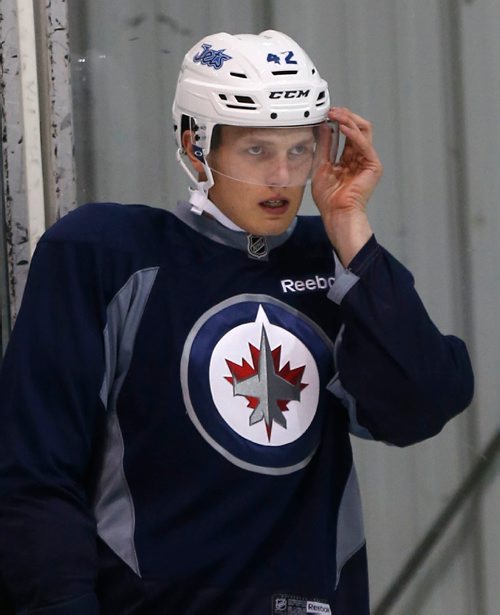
x=179, y=389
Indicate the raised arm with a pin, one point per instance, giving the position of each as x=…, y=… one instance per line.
x=399, y=377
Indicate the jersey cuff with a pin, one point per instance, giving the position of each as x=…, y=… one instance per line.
x=347, y=277
x=83, y=605
x=365, y=256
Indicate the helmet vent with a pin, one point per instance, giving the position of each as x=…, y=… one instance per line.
x=321, y=99
x=239, y=75
x=245, y=100
x=284, y=72
x=238, y=101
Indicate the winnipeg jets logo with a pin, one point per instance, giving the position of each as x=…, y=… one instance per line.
x=253, y=375
x=270, y=394
x=214, y=58
x=267, y=388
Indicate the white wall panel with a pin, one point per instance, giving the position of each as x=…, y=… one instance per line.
x=56, y=109
x=481, y=61
x=23, y=205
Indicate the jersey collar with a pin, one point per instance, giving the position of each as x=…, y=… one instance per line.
x=256, y=246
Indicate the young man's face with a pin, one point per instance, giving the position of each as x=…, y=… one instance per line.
x=260, y=175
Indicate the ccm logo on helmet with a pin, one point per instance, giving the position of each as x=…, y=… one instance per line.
x=290, y=94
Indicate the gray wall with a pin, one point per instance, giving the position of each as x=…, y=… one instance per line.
x=427, y=74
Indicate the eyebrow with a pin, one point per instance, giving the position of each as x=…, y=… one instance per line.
x=264, y=139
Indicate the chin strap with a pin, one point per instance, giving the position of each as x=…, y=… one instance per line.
x=201, y=203
x=256, y=245
x=199, y=195
x=203, y=186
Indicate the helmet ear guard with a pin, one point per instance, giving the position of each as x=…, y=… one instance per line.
x=198, y=152
x=197, y=137
x=196, y=148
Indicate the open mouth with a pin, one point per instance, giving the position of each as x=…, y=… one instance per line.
x=274, y=203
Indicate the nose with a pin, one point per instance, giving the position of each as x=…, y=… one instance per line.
x=278, y=172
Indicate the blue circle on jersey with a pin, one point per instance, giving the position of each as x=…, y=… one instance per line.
x=254, y=373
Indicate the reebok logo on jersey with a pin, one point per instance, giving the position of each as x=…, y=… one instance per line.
x=296, y=605
x=318, y=607
x=307, y=285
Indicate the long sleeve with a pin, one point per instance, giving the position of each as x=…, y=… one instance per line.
x=399, y=377
x=51, y=417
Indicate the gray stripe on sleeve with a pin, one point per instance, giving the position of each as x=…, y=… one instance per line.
x=347, y=400
x=350, y=528
x=113, y=506
x=344, y=281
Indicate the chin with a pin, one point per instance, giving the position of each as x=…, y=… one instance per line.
x=268, y=230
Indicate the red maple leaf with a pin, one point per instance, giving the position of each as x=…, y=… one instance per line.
x=245, y=370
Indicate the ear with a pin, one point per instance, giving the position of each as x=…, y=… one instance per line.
x=187, y=146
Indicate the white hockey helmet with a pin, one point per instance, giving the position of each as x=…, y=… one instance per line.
x=246, y=80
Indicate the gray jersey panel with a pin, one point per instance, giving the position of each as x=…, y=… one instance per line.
x=113, y=506
x=350, y=529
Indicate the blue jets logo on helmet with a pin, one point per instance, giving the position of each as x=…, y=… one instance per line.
x=254, y=374
x=214, y=58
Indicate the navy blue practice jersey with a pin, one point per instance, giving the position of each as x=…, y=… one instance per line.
x=176, y=403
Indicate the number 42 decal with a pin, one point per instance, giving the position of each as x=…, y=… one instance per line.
x=272, y=57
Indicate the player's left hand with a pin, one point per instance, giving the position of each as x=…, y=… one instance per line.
x=341, y=190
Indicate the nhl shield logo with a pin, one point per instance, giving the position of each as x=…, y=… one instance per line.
x=253, y=373
x=257, y=246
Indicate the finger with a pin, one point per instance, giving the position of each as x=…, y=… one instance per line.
x=357, y=142
x=344, y=115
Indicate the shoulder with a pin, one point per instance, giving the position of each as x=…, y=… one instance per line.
x=111, y=225
x=101, y=245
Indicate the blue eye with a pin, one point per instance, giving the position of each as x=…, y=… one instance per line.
x=255, y=150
